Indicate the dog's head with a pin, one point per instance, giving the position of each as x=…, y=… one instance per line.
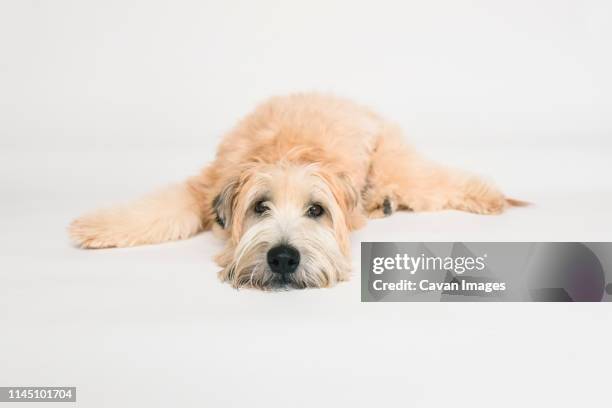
x=287, y=225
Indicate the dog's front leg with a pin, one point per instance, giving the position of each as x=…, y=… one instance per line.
x=174, y=213
x=401, y=179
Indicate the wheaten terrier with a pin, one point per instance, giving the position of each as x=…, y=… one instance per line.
x=288, y=185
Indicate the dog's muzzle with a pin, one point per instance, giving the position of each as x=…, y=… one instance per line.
x=283, y=259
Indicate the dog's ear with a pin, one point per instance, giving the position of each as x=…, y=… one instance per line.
x=349, y=193
x=343, y=189
x=223, y=203
x=347, y=196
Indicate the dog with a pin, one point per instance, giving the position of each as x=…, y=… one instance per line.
x=287, y=186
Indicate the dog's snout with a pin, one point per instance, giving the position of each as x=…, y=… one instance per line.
x=283, y=259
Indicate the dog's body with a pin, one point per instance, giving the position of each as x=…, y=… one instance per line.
x=287, y=186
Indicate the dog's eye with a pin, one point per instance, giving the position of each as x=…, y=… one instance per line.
x=315, y=211
x=260, y=207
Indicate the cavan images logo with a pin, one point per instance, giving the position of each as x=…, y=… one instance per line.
x=412, y=265
x=489, y=271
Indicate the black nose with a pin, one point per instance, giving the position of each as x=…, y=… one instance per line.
x=283, y=259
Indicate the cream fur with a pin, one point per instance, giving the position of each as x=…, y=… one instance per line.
x=293, y=151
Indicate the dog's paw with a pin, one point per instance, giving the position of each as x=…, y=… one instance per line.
x=91, y=231
x=482, y=198
x=489, y=207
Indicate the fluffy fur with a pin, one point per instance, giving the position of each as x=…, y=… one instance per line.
x=293, y=152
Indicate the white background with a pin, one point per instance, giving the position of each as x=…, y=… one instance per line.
x=102, y=101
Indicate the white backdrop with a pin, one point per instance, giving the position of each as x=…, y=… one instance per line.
x=101, y=101
x=111, y=74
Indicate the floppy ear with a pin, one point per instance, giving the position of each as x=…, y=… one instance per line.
x=223, y=203
x=355, y=217
x=348, y=192
x=347, y=196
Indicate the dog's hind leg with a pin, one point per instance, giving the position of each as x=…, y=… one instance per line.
x=400, y=179
x=176, y=212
